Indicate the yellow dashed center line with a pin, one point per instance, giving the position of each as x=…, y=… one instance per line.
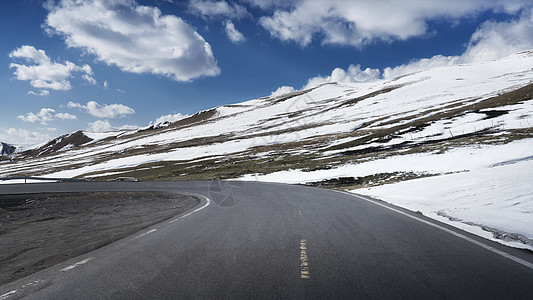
x=304, y=260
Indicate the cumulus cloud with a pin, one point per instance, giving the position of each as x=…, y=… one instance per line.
x=128, y=127
x=46, y=115
x=89, y=79
x=100, y=126
x=358, y=23
x=420, y=65
x=234, y=35
x=133, y=37
x=216, y=9
x=42, y=72
x=169, y=118
x=352, y=74
x=492, y=40
x=41, y=93
x=22, y=137
x=498, y=39
x=282, y=91
x=103, y=111
x=105, y=126
x=269, y=4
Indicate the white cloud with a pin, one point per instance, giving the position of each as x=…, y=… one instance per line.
x=105, y=126
x=46, y=115
x=358, y=23
x=420, y=65
x=65, y=116
x=234, y=35
x=19, y=137
x=353, y=74
x=42, y=72
x=103, y=111
x=106, y=84
x=268, y=4
x=492, y=40
x=89, y=79
x=136, y=38
x=169, y=118
x=216, y=9
x=42, y=93
x=100, y=126
x=30, y=54
x=282, y=91
x=128, y=127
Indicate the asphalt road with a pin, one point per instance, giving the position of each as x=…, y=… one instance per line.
x=259, y=240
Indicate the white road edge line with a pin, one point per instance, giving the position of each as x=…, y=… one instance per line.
x=196, y=210
x=148, y=232
x=13, y=292
x=502, y=253
x=8, y=294
x=76, y=265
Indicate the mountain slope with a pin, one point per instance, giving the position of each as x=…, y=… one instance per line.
x=421, y=109
x=62, y=143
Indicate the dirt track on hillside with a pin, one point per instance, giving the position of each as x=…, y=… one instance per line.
x=38, y=231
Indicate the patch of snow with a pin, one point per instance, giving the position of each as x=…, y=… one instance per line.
x=103, y=174
x=22, y=181
x=498, y=199
x=454, y=160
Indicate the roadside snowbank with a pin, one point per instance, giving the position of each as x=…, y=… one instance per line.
x=497, y=199
x=23, y=181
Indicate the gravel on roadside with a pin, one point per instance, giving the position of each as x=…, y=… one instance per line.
x=38, y=231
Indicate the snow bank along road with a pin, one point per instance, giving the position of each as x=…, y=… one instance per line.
x=265, y=240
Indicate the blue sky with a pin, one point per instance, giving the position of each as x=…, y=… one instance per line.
x=100, y=65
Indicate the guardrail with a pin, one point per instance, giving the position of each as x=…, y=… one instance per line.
x=26, y=178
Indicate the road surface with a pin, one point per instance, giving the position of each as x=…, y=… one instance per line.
x=266, y=240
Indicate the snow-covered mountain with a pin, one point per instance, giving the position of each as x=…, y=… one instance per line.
x=61, y=143
x=443, y=121
x=331, y=120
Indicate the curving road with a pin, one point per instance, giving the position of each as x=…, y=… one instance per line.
x=264, y=240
